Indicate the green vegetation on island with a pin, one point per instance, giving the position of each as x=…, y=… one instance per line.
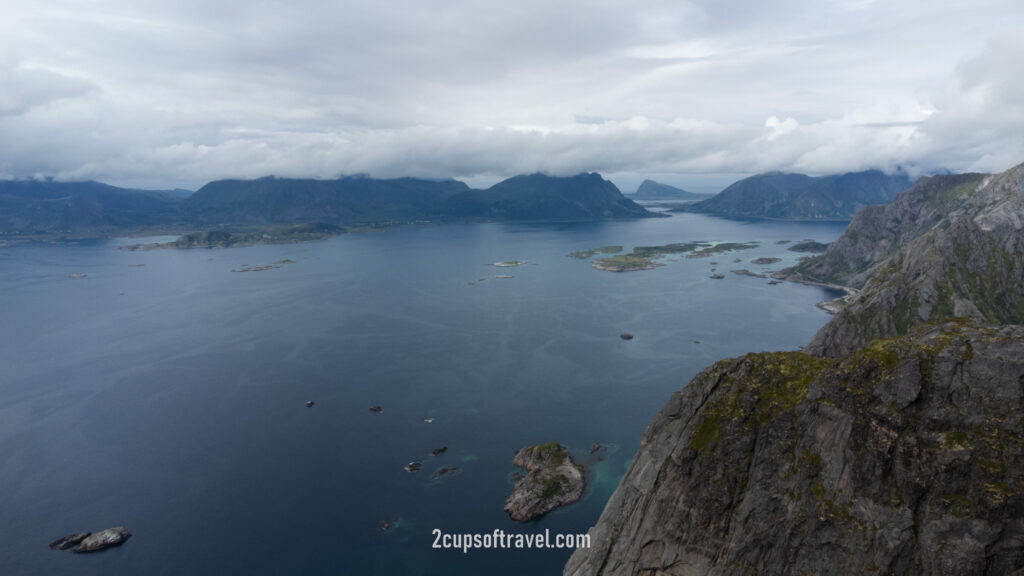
x=584, y=254
x=648, y=257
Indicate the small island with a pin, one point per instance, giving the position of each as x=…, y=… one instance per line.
x=84, y=542
x=644, y=257
x=584, y=254
x=245, y=237
x=647, y=257
x=765, y=260
x=553, y=480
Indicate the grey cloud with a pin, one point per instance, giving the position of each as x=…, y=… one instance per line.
x=176, y=93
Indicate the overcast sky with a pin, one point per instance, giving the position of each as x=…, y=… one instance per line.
x=174, y=93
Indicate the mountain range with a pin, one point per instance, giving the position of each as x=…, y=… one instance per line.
x=787, y=196
x=48, y=207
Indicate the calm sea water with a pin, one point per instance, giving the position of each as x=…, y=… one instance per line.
x=166, y=393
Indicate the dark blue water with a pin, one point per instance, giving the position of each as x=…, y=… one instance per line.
x=170, y=397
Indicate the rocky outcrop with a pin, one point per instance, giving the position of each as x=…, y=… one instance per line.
x=96, y=541
x=554, y=480
x=904, y=458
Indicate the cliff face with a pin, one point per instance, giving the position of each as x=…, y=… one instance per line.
x=907, y=457
x=969, y=263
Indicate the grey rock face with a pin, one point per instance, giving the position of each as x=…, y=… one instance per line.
x=103, y=540
x=877, y=232
x=970, y=264
x=906, y=457
x=69, y=541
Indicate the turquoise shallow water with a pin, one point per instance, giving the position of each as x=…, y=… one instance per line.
x=167, y=393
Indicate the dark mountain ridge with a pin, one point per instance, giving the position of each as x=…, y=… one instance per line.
x=47, y=207
x=788, y=196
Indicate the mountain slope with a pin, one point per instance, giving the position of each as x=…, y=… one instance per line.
x=876, y=232
x=360, y=200
x=801, y=197
x=968, y=264
x=345, y=200
x=46, y=207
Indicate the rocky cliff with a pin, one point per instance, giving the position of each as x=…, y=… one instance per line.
x=968, y=263
x=877, y=232
x=904, y=458
x=895, y=447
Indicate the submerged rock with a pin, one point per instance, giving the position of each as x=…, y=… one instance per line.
x=102, y=540
x=438, y=451
x=553, y=480
x=445, y=472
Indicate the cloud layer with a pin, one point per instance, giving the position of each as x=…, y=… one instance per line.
x=165, y=94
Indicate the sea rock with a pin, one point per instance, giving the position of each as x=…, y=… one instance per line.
x=553, y=480
x=626, y=336
x=438, y=451
x=376, y=409
x=69, y=541
x=102, y=540
x=413, y=467
x=745, y=272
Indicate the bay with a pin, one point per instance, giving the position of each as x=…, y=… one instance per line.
x=167, y=393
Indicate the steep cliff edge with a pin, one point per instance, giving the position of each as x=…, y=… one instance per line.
x=906, y=457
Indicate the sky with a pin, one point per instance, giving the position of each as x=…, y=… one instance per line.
x=175, y=93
